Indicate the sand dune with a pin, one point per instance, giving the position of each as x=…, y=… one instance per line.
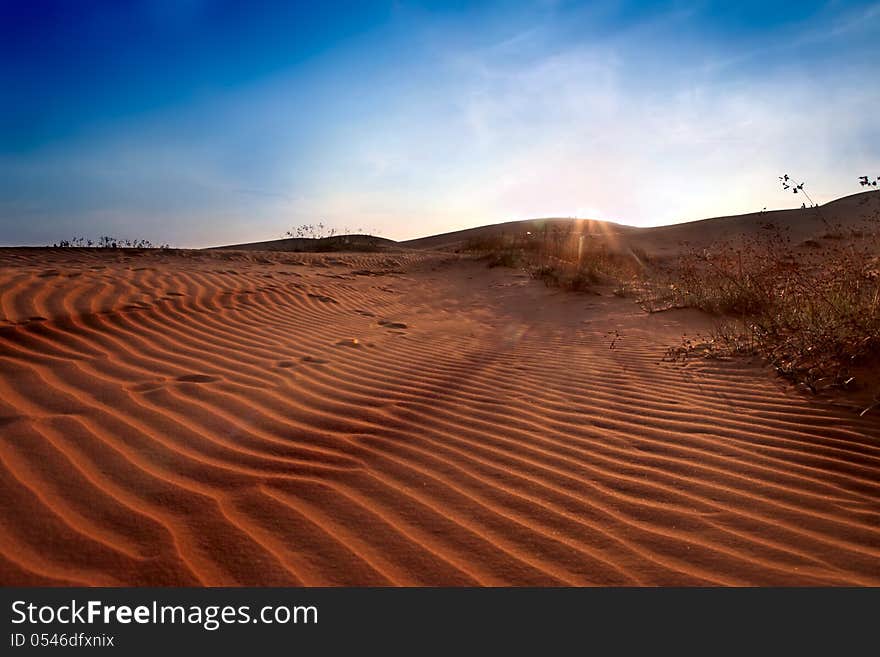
x=223, y=418
x=847, y=213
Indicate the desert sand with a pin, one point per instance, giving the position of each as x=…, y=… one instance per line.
x=412, y=418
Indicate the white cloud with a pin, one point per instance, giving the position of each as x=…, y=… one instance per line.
x=580, y=129
x=637, y=126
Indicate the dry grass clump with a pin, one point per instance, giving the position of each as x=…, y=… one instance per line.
x=725, y=279
x=561, y=256
x=108, y=242
x=594, y=268
x=812, y=312
x=811, y=308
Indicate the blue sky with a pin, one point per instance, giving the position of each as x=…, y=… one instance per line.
x=200, y=122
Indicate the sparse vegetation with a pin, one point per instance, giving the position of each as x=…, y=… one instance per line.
x=810, y=308
x=724, y=280
x=812, y=313
x=311, y=231
x=320, y=231
x=789, y=184
x=108, y=242
x=561, y=254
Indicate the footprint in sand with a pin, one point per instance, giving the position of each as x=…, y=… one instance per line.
x=349, y=342
x=147, y=386
x=312, y=359
x=285, y=363
x=197, y=378
x=392, y=325
x=322, y=298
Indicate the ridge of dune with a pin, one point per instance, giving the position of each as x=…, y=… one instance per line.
x=663, y=240
x=224, y=418
x=848, y=212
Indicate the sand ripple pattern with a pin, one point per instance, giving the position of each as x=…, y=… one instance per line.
x=232, y=419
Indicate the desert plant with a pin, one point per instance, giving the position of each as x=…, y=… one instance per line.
x=573, y=277
x=813, y=315
x=310, y=231
x=108, y=242
x=320, y=231
x=788, y=183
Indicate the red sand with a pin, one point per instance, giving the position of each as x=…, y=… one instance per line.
x=209, y=419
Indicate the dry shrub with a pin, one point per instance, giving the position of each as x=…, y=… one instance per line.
x=725, y=279
x=561, y=255
x=599, y=267
x=814, y=314
x=108, y=242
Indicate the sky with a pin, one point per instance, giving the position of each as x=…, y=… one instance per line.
x=205, y=122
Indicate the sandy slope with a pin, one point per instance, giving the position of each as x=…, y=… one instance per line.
x=855, y=212
x=208, y=418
